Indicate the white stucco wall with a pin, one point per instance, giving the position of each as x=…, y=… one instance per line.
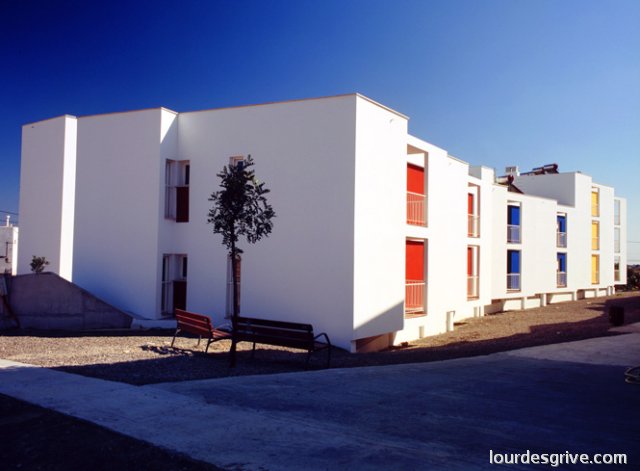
x=445, y=238
x=47, y=194
x=379, y=220
x=305, y=152
x=623, y=241
x=117, y=208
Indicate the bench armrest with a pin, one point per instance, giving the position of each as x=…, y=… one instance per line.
x=328, y=342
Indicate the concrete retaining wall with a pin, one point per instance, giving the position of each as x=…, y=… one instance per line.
x=47, y=301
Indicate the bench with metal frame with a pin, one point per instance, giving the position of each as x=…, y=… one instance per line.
x=199, y=325
x=282, y=334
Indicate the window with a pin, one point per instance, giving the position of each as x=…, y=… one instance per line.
x=595, y=269
x=561, y=236
x=562, y=270
x=473, y=270
x=473, y=212
x=174, y=283
x=595, y=235
x=416, y=199
x=235, y=160
x=616, y=212
x=415, y=278
x=595, y=202
x=513, y=224
x=176, y=201
x=513, y=270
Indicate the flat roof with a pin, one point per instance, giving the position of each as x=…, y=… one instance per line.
x=358, y=95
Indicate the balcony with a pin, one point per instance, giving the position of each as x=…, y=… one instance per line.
x=474, y=226
x=561, y=239
x=561, y=279
x=416, y=209
x=616, y=274
x=414, y=298
x=473, y=285
x=616, y=246
x=595, y=243
x=513, y=282
x=595, y=210
x=513, y=233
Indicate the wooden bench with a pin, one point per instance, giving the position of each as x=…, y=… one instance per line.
x=199, y=325
x=283, y=334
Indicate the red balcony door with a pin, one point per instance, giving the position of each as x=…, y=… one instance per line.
x=414, y=273
x=415, y=179
x=415, y=261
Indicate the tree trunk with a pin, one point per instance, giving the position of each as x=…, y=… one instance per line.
x=236, y=305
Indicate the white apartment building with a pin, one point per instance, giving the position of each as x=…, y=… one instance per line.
x=380, y=237
x=8, y=247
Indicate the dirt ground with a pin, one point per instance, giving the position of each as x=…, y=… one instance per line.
x=38, y=439
x=143, y=357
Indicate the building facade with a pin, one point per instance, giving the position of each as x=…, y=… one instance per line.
x=380, y=237
x=8, y=248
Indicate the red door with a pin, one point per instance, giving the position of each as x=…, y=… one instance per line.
x=415, y=179
x=415, y=260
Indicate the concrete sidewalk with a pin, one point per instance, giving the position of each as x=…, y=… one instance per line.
x=446, y=415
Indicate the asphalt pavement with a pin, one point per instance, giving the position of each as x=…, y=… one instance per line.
x=556, y=400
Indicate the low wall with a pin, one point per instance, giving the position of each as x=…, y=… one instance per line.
x=46, y=301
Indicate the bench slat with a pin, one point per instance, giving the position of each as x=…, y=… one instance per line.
x=270, y=323
x=280, y=341
x=256, y=330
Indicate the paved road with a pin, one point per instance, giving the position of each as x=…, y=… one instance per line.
x=443, y=415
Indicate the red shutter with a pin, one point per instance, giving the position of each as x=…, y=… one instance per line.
x=179, y=294
x=470, y=203
x=182, y=204
x=415, y=179
x=469, y=261
x=415, y=261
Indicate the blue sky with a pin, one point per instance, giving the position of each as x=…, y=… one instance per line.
x=495, y=82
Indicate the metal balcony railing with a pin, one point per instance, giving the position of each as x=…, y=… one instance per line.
x=474, y=226
x=595, y=209
x=513, y=281
x=616, y=274
x=616, y=246
x=416, y=204
x=414, y=297
x=562, y=279
x=595, y=277
x=595, y=243
x=513, y=233
x=473, y=285
x=561, y=239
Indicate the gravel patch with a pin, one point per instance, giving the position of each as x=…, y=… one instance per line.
x=144, y=357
